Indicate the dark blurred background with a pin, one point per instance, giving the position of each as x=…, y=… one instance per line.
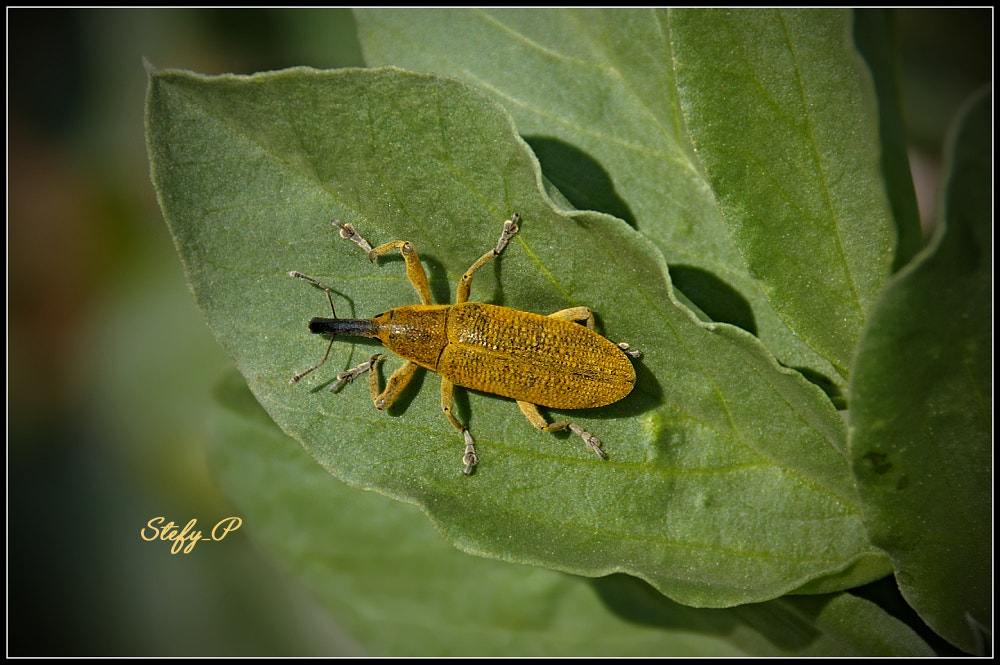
x=110, y=367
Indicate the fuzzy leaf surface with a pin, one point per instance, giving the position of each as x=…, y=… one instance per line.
x=387, y=577
x=921, y=426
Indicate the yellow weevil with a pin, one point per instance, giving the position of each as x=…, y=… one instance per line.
x=537, y=360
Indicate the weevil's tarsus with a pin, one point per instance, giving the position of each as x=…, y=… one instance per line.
x=592, y=442
x=470, y=459
x=347, y=231
x=510, y=228
x=346, y=377
x=629, y=351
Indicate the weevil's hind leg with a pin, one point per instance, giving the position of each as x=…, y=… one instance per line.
x=414, y=270
x=629, y=351
x=470, y=459
x=585, y=316
x=530, y=412
x=576, y=315
x=465, y=284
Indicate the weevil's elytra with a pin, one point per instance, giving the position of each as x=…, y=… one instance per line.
x=540, y=359
x=536, y=360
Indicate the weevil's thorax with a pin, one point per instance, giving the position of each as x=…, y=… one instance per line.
x=414, y=332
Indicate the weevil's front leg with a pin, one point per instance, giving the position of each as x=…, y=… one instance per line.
x=346, y=377
x=470, y=459
x=382, y=399
x=347, y=232
x=414, y=270
x=465, y=284
x=530, y=412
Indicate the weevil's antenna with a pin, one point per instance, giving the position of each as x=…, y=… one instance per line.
x=295, y=273
x=316, y=282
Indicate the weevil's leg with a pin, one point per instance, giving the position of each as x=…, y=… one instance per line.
x=530, y=412
x=393, y=387
x=577, y=315
x=470, y=459
x=370, y=366
x=414, y=270
x=346, y=377
x=584, y=315
x=465, y=284
x=347, y=232
x=629, y=351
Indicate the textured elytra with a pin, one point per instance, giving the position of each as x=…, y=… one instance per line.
x=533, y=358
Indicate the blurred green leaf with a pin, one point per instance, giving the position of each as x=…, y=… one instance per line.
x=921, y=426
x=744, y=144
x=387, y=576
x=727, y=480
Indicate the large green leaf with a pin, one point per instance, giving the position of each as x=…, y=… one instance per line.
x=389, y=579
x=921, y=425
x=727, y=480
x=743, y=143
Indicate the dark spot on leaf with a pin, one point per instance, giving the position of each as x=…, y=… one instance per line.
x=879, y=463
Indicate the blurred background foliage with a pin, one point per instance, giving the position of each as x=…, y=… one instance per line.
x=110, y=366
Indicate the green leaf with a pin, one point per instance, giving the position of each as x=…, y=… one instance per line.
x=727, y=480
x=876, y=39
x=389, y=579
x=921, y=425
x=743, y=143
